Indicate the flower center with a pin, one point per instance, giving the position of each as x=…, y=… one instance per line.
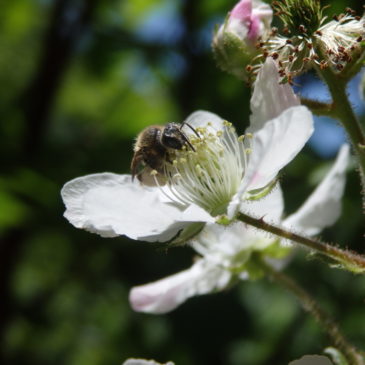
x=210, y=174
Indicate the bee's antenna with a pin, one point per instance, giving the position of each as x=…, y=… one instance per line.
x=192, y=128
x=186, y=139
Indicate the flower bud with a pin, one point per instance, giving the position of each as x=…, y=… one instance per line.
x=234, y=41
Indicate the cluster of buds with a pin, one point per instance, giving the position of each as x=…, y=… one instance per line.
x=307, y=39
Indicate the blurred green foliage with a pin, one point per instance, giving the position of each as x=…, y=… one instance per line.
x=78, y=80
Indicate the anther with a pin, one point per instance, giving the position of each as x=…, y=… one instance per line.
x=302, y=28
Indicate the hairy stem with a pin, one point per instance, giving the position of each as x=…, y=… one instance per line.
x=318, y=107
x=342, y=110
x=311, y=306
x=347, y=259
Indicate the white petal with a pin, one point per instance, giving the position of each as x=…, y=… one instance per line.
x=220, y=244
x=270, y=207
x=144, y=362
x=273, y=146
x=201, y=118
x=323, y=207
x=276, y=144
x=269, y=98
x=165, y=295
x=112, y=205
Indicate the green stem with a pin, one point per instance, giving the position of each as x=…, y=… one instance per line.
x=349, y=260
x=318, y=107
x=342, y=110
x=311, y=306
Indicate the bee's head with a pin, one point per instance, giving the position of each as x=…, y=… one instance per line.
x=173, y=137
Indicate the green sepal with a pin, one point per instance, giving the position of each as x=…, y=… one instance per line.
x=258, y=194
x=232, y=54
x=223, y=220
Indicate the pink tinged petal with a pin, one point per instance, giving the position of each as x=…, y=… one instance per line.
x=323, y=207
x=242, y=10
x=254, y=29
x=249, y=18
x=270, y=207
x=269, y=98
x=112, y=205
x=165, y=295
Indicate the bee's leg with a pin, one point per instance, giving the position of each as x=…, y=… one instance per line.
x=137, y=165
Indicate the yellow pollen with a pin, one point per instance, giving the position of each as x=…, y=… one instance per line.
x=153, y=172
x=183, y=160
x=219, y=133
x=248, y=150
x=249, y=135
x=198, y=169
x=241, y=138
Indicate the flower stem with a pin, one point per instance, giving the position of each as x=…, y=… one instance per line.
x=311, y=306
x=317, y=107
x=347, y=259
x=342, y=110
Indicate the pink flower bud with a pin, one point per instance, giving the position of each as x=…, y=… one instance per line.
x=234, y=42
x=250, y=18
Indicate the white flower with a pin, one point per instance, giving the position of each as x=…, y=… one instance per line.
x=144, y=362
x=224, y=251
x=223, y=173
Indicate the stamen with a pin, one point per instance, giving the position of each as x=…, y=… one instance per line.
x=210, y=174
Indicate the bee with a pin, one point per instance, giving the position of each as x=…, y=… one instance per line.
x=151, y=150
